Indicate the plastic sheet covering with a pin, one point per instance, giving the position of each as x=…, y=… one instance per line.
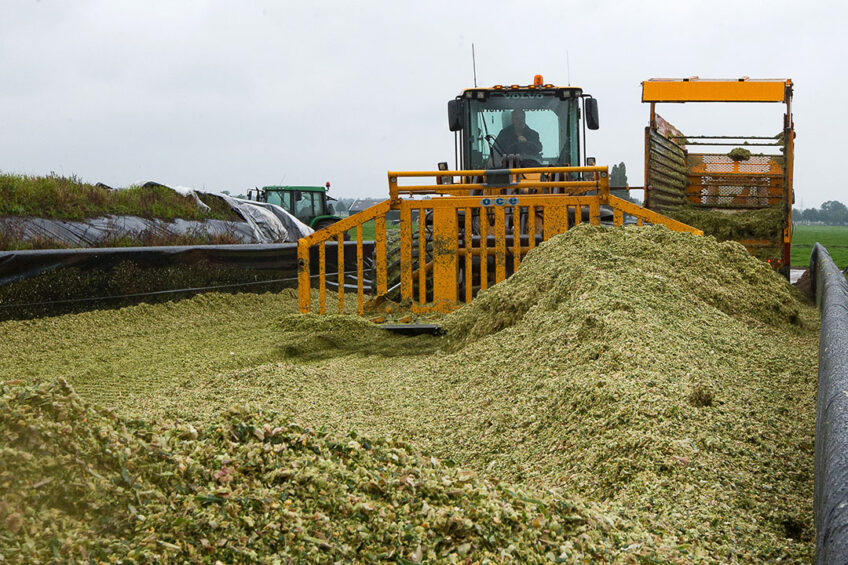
x=59, y=281
x=270, y=223
x=281, y=258
x=831, y=474
x=93, y=231
x=20, y=265
x=263, y=223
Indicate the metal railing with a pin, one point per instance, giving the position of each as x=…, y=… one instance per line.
x=468, y=236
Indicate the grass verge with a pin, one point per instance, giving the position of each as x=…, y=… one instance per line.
x=69, y=198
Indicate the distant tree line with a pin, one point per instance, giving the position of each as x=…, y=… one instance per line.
x=618, y=175
x=831, y=213
x=618, y=178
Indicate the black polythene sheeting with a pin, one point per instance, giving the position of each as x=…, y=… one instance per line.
x=831, y=473
x=280, y=258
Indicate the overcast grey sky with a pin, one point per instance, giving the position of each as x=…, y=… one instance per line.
x=231, y=95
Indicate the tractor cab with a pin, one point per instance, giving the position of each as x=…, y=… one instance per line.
x=527, y=126
x=309, y=204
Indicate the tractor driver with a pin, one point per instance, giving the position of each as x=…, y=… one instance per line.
x=518, y=138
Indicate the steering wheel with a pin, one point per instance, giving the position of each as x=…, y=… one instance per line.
x=528, y=160
x=527, y=147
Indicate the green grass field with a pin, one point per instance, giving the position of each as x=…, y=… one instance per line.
x=369, y=230
x=834, y=238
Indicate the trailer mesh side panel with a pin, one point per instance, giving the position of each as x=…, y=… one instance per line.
x=717, y=181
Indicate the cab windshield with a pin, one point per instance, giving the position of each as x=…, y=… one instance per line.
x=552, y=138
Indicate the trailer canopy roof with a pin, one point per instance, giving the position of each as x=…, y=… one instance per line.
x=716, y=90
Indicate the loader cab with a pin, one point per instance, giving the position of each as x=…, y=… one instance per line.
x=480, y=115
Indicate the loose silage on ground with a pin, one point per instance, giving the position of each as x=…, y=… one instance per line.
x=667, y=378
x=82, y=485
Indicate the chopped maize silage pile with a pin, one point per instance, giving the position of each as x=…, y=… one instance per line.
x=82, y=485
x=670, y=379
x=764, y=223
x=739, y=154
x=671, y=375
x=644, y=272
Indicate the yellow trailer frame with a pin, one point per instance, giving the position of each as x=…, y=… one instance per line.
x=674, y=176
x=522, y=203
x=696, y=89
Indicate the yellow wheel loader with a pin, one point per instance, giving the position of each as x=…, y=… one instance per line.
x=522, y=176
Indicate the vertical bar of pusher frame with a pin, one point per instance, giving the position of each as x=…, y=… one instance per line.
x=484, y=248
x=360, y=294
x=500, y=244
x=405, y=252
x=380, y=245
x=340, y=271
x=595, y=213
x=304, y=281
x=556, y=220
x=322, y=277
x=468, y=237
x=531, y=226
x=516, y=237
x=445, y=246
x=422, y=257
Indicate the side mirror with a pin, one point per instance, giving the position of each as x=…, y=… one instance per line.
x=591, y=105
x=456, y=109
x=447, y=179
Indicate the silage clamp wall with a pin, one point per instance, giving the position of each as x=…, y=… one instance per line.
x=831, y=472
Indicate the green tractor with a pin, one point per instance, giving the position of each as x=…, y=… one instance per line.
x=309, y=204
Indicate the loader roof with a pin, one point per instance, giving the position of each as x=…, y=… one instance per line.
x=538, y=84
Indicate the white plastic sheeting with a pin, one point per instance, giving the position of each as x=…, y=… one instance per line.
x=270, y=223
